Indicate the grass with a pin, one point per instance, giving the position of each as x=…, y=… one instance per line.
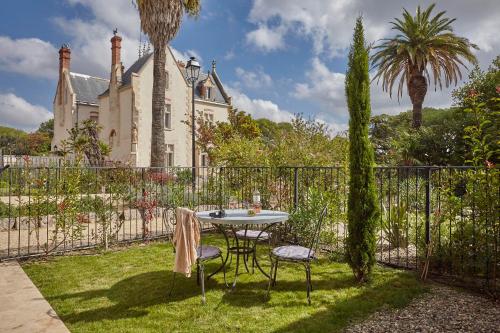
x=127, y=291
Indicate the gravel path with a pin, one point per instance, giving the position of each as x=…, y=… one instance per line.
x=443, y=309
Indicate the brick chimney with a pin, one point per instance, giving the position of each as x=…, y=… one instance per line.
x=64, y=62
x=116, y=45
x=116, y=62
x=64, y=58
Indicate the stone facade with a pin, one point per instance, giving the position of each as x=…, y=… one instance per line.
x=122, y=107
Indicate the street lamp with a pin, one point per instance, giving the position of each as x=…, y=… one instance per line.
x=192, y=73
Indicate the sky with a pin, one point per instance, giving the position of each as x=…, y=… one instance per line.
x=276, y=58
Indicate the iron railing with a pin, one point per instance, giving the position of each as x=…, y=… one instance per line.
x=445, y=217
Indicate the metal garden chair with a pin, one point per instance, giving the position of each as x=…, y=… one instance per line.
x=204, y=253
x=298, y=254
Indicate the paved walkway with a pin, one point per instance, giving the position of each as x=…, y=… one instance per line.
x=22, y=307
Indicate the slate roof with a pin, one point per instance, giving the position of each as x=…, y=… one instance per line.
x=217, y=95
x=87, y=88
x=135, y=68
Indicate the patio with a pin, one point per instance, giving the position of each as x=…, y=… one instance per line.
x=127, y=290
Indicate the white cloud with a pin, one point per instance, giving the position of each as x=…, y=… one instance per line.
x=267, y=39
x=254, y=79
x=326, y=89
x=89, y=39
x=229, y=55
x=184, y=56
x=258, y=108
x=328, y=24
x=28, y=56
x=18, y=113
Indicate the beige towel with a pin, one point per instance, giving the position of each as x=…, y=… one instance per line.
x=186, y=240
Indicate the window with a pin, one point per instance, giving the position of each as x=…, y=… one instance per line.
x=94, y=117
x=170, y=155
x=209, y=92
x=204, y=159
x=168, y=116
x=112, y=136
x=208, y=117
x=167, y=80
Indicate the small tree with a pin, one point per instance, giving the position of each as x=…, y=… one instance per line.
x=362, y=203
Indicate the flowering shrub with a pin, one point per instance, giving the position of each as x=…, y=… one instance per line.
x=146, y=206
x=161, y=178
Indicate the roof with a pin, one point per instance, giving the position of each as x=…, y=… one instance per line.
x=87, y=88
x=135, y=68
x=217, y=95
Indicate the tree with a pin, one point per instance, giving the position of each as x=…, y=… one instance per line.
x=438, y=142
x=160, y=20
x=424, y=46
x=47, y=127
x=363, y=210
x=244, y=139
x=84, y=141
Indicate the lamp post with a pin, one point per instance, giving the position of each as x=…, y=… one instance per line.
x=192, y=73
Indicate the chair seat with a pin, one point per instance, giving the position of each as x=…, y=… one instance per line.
x=252, y=234
x=293, y=252
x=208, y=252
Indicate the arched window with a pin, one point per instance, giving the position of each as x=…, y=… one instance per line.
x=112, y=136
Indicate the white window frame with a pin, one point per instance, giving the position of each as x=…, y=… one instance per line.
x=167, y=124
x=208, y=116
x=170, y=156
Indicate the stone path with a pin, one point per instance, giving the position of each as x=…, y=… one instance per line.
x=22, y=306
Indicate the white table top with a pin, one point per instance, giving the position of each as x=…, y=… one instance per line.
x=241, y=217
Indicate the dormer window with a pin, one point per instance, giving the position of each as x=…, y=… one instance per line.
x=209, y=92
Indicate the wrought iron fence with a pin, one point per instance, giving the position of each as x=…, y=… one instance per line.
x=445, y=217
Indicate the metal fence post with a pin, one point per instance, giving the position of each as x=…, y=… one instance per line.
x=428, y=206
x=295, y=187
x=221, y=195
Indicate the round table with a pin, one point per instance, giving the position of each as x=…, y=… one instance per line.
x=239, y=218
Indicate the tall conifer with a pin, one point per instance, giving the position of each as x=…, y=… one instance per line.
x=363, y=210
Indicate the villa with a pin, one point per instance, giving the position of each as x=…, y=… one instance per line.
x=121, y=105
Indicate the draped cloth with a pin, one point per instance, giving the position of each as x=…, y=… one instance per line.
x=186, y=240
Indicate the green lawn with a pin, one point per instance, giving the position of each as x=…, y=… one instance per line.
x=127, y=291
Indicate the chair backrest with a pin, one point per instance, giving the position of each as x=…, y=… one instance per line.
x=317, y=231
x=200, y=225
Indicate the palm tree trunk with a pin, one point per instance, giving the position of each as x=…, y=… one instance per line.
x=157, y=132
x=417, y=88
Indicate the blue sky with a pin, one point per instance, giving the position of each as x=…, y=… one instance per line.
x=275, y=57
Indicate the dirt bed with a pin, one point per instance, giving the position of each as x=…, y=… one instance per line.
x=443, y=309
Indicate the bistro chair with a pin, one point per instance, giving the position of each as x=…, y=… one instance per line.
x=249, y=236
x=204, y=254
x=298, y=254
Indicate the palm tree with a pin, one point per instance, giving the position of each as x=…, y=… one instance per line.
x=424, y=46
x=160, y=20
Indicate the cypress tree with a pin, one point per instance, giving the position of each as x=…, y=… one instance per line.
x=363, y=210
